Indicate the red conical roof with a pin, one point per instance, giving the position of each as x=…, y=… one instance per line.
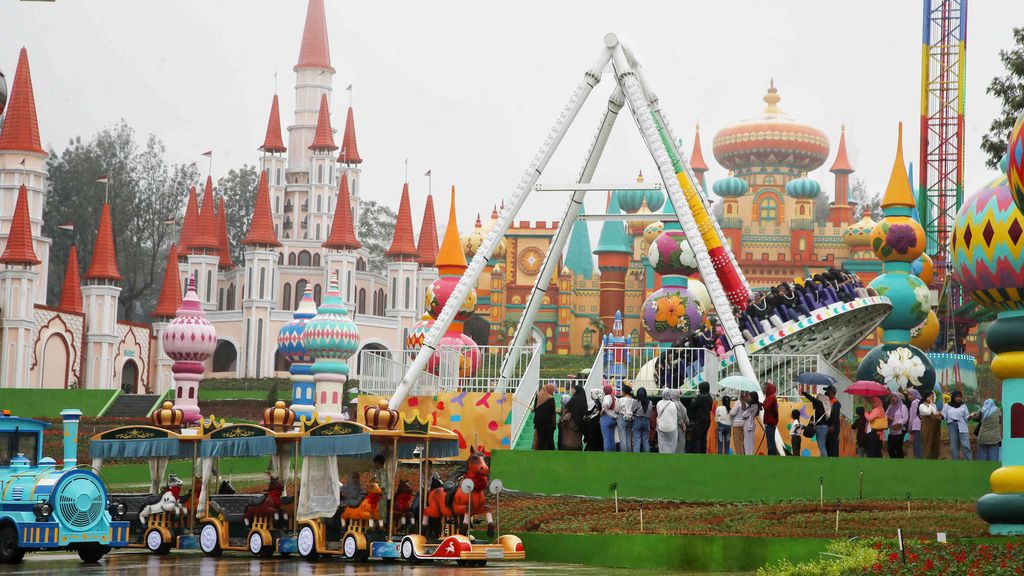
x=697, y=163
x=403, y=245
x=104, y=260
x=21, y=128
x=206, y=229
x=71, y=293
x=316, y=50
x=19, y=248
x=272, y=141
x=170, y=292
x=842, y=163
x=324, y=137
x=343, y=235
x=261, y=229
x=349, y=150
x=190, y=224
x=222, y=238
x=426, y=246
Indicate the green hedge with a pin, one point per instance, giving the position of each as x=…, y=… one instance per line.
x=561, y=365
x=37, y=403
x=264, y=384
x=713, y=478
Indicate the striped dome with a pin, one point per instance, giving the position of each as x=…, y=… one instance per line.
x=289, y=339
x=331, y=335
x=858, y=234
x=803, y=188
x=730, y=187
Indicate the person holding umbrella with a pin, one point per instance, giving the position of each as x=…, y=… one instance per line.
x=835, y=412
x=822, y=411
x=875, y=419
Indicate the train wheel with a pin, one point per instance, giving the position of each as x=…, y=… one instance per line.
x=91, y=553
x=209, y=540
x=307, y=543
x=408, y=551
x=155, y=542
x=9, y=551
x=350, y=546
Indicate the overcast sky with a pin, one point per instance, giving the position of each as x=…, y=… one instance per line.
x=470, y=89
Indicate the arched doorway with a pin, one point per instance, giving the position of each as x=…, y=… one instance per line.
x=55, y=363
x=129, y=377
x=281, y=364
x=225, y=357
x=376, y=349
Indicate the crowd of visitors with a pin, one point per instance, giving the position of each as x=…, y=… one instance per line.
x=633, y=421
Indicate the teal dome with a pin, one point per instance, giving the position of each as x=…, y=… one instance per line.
x=331, y=337
x=630, y=200
x=910, y=297
x=730, y=187
x=655, y=199
x=803, y=188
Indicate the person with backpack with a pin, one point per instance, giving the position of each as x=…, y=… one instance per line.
x=668, y=423
x=819, y=423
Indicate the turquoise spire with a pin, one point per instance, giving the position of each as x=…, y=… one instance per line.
x=613, y=233
x=578, y=257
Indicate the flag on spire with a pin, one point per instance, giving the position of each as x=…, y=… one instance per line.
x=349, y=148
x=427, y=243
x=403, y=245
x=272, y=142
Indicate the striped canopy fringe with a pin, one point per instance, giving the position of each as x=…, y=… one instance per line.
x=350, y=445
x=438, y=449
x=238, y=447
x=168, y=447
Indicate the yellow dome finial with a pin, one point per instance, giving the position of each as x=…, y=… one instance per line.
x=898, y=192
x=450, y=258
x=772, y=99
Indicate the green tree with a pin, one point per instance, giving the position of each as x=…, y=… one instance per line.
x=376, y=230
x=1010, y=91
x=867, y=203
x=239, y=189
x=144, y=193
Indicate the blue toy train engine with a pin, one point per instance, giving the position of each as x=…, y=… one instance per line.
x=49, y=506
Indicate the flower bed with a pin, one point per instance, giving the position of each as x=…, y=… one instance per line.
x=925, y=557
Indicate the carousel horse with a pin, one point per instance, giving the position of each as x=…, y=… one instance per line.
x=450, y=501
x=272, y=504
x=401, y=513
x=367, y=509
x=166, y=502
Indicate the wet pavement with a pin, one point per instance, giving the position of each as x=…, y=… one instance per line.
x=196, y=564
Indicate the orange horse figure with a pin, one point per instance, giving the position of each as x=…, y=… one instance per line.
x=449, y=501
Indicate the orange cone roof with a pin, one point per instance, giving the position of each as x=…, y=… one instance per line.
x=842, y=163
x=272, y=141
x=170, y=292
x=451, y=259
x=324, y=137
x=222, y=238
x=104, y=259
x=403, y=245
x=315, y=51
x=71, y=293
x=206, y=230
x=427, y=243
x=190, y=224
x=343, y=234
x=21, y=127
x=697, y=163
x=349, y=150
x=261, y=228
x=19, y=248
x=898, y=192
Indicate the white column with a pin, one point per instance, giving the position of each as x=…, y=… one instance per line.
x=100, y=305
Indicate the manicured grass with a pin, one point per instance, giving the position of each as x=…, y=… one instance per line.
x=36, y=403
x=561, y=365
x=208, y=394
x=139, y=473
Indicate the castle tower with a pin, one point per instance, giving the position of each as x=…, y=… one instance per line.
x=223, y=246
x=203, y=260
x=697, y=163
x=18, y=283
x=841, y=212
x=289, y=344
x=731, y=189
x=71, y=291
x=350, y=161
x=189, y=340
x=330, y=339
x=273, y=163
x=23, y=163
x=614, y=251
x=166, y=308
x=321, y=176
x=99, y=296
x=402, y=266
x=261, y=281
x=426, y=246
x=340, y=256
x=801, y=229
x=313, y=80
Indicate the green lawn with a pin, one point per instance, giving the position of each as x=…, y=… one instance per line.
x=36, y=403
x=116, y=474
x=208, y=394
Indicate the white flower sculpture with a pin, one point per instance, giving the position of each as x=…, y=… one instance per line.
x=686, y=256
x=901, y=367
x=923, y=297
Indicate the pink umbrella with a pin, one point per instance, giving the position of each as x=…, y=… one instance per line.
x=867, y=388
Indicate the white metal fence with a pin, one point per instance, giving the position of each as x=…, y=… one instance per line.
x=448, y=370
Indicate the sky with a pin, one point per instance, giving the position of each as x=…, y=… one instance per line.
x=469, y=90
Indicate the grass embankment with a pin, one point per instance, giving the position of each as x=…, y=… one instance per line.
x=42, y=403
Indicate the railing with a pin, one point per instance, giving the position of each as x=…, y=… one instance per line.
x=801, y=224
x=522, y=397
x=641, y=368
x=448, y=370
x=779, y=369
x=732, y=223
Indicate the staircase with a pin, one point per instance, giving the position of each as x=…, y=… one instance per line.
x=131, y=406
x=525, y=440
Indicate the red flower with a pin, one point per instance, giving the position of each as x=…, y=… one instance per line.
x=912, y=557
x=878, y=545
x=928, y=564
x=876, y=567
x=893, y=557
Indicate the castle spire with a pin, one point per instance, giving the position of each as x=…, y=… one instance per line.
x=103, y=265
x=21, y=127
x=19, y=248
x=343, y=234
x=206, y=228
x=170, y=291
x=222, y=238
x=315, y=51
x=427, y=243
x=697, y=163
x=578, y=257
x=451, y=259
x=261, y=228
x=842, y=163
x=71, y=293
x=349, y=149
x=324, y=137
x=272, y=141
x=189, y=225
x=897, y=192
x=403, y=245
